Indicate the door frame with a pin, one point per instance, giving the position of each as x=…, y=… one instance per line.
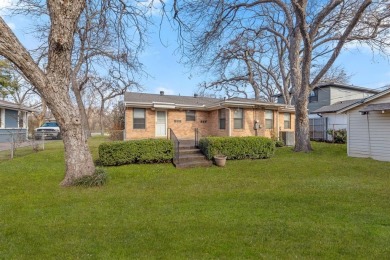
x=166, y=123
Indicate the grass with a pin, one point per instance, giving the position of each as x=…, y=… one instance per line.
x=295, y=205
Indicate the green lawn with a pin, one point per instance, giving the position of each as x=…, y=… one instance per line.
x=295, y=205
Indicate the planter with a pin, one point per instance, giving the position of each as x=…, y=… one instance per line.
x=220, y=160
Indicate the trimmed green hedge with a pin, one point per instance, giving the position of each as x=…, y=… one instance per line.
x=253, y=147
x=136, y=151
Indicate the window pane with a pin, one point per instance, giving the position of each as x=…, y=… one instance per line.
x=222, y=118
x=238, y=118
x=238, y=124
x=190, y=115
x=269, y=119
x=139, y=118
x=269, y=124
x=222, y=123
x=287, y=120
x=269, y=114
x=139, y=113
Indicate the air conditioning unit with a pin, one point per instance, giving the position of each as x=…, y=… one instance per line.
x=288, y=138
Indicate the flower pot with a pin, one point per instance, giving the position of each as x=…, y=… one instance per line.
x=220, y=160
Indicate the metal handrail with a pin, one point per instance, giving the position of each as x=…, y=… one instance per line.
x=196, y=137
x=176, y=143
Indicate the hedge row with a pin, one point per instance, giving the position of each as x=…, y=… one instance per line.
x=137, y=151
x=253, y=147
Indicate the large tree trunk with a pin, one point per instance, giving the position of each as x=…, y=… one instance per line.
x=302, y=135
x=54, y=85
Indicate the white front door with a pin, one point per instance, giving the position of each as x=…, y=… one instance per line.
x=161, y=123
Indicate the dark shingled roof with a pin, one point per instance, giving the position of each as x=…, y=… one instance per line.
x=184, y=100
x=376, y=107
x=336, y=106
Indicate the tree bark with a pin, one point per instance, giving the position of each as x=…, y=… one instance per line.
x=302, y=130
x=54, y=84
x=83, y=113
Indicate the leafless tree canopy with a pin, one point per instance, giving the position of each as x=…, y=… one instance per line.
x=301, y=35
x=77, y=37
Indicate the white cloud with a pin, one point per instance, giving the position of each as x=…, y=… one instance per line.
x=4, y=4
x=167, y=91
x=155, y=7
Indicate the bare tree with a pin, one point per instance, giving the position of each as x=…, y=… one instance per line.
x=313, y=33
x=108, y=38
x=107, y=91
x=53, y=84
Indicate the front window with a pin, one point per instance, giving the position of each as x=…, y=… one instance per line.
x=190, y=115
x=139, y=118
x=313, y=96
x=269, y=119
x=287, y=121
x=238, y=118
x=222, y=118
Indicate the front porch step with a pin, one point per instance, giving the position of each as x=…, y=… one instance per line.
x=190, y=156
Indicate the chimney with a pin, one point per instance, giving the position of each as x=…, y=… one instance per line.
x=161, y=93
x=195, y=95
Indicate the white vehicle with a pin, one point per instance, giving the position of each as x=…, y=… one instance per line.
x=48, y=130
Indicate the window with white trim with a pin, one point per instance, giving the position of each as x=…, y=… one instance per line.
x=287, y=120
x=190, y=115
x=222, y=118
x=238, y=118
x=139, y=118
x=269, y=119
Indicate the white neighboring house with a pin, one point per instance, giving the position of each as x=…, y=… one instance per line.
x=13, y=121
x=332, y=119
x=368, y=127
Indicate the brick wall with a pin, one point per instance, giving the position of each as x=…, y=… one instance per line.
x=208, y=124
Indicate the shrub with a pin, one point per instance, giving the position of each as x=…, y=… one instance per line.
x=279, y=143
x=96, y=180
x=137, y=151
x=237, y=147
x=339, y=136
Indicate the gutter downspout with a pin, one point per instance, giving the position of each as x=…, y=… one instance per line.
x=229, y=126
x=277, y=124
x=124, y=130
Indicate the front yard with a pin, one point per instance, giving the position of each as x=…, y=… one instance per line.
x=317, y=205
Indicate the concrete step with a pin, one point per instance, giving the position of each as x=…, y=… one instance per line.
x=192, y=158
x=190, y=151
x=193, y=164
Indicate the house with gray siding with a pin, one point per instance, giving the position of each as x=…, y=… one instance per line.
x=368, y=127
x=13, y=121
x=330, y=93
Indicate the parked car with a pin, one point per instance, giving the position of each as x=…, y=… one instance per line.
x=48, y=130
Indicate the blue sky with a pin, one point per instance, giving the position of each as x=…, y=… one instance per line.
x=161, y=62
x=366, y=69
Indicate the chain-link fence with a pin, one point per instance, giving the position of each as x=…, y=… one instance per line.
x=322, y=130
x=16, y=144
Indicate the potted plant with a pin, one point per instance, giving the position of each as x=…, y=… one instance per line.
x=220, y=160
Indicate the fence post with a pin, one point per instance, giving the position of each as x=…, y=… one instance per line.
x=12, y=145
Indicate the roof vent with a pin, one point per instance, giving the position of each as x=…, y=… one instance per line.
x=161, y=93
x=195, y=95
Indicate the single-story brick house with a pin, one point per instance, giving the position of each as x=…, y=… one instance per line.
x=152, y=115
x=368, y=127
x=13, y=121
